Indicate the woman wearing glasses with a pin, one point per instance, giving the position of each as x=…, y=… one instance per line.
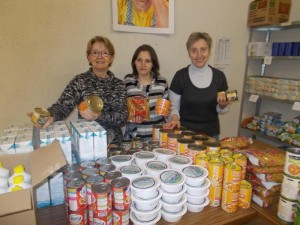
x=197, y=92
x=99, y=81
x=146, y=84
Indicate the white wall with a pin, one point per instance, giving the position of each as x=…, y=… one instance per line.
x=43, y=43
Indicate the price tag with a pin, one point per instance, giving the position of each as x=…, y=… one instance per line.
x=253, y=98
x=267, y=60
x=296, y=106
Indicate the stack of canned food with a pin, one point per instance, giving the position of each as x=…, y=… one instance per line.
x=96, y=194
x=289, y=207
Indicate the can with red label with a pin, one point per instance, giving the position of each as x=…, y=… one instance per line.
x=76, y=192
x=101, y=199
x=89, y=172
x=105, y=220
x=87, y=164
x=121, y=193
x=172, y=141
x=78, y=217
x=110, y=176
x=121, y=217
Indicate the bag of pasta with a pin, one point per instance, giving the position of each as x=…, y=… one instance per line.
x=266, y=157
x=138, y=106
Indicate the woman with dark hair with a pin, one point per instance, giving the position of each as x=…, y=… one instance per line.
x=146, y=83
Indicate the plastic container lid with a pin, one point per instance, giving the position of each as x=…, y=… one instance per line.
x=19, y=169
x=18, y=179
x=17, y=188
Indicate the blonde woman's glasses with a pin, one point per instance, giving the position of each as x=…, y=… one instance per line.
x=97, y=53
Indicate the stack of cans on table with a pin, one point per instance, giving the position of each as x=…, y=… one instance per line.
x=96, y=194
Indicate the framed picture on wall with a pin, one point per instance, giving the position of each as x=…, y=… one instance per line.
x=143, y=16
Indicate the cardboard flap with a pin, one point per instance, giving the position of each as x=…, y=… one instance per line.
x=45, y=161
x=14, y=202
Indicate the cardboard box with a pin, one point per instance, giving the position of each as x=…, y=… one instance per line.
x=259, y=49
x=268, y=12
x=19, y=207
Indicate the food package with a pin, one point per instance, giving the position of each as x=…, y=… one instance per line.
x=263, y=192
x=273, y=177
x=138, y=106
x=265, y=157
x=235, y=142
x=264, y=169
x=269, y=185
x=264, y=201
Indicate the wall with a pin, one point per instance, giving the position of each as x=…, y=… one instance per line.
x=43, y=43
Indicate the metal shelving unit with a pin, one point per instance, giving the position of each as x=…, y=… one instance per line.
x=266, y=31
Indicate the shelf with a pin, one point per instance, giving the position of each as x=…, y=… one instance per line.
x=278, y=27
x=273, y=139
x=273, y=99
x=276, y=57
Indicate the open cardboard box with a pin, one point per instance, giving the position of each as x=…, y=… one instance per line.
x=19, y=207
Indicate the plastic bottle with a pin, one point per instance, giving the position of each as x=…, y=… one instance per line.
x=3, y=183
x=19, y=170
x=4, y=172
x=18, y=181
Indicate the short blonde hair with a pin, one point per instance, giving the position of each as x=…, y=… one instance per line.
x=195, y=36
x=107, y=43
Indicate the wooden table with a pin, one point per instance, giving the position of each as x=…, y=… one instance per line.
x=210, y=215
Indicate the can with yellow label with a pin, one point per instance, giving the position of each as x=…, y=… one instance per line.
x=215, y=196
x=202, y=160
x=241, y=160
x=215, y=171
x=245, y=194
x=92, y=103
x=229, y=201
x=232, y=177
x=39, y=116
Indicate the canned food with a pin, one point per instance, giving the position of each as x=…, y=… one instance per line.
x=89, y=172
x=162, y=106
x=137, y=143
x=202, y=160
x=104, y=220
x=155, y=131
x=232, y=177
x=90, y=182
x=163, y=137
x=172, y=140
x=106, y=168
x=229, y=95
x=212, y=146
x=199, y=139
x=292, y=162
x=287, y=209
x=215, y=195
x=178, y=130
x=39, y=116
x=182, y=145
x=245, y=195
x=229, y=201
x=71, y=168
x=194, y=149
x=290, y=187
x=216, y=171
x=225, y=152
x=241, y=160
x=121, y=193
x=87, y=164
x=76, y=192
x=188, y=134
x=92, y=103
x=121, y=217
x=78, y=217
x=126, y=145
x=101, y=200
x=213, y=155
x=102, y=161
x=153, y=144
x=227, y=159
x=110, y=176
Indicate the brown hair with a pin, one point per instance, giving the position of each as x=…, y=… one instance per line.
x=195, y=36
